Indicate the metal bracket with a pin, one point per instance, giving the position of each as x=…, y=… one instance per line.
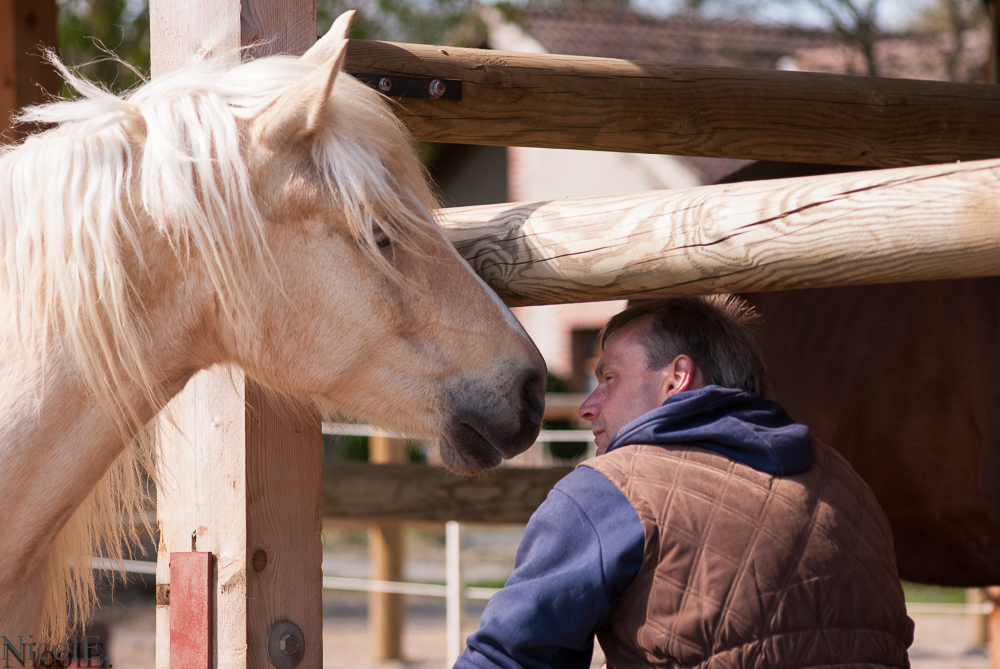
x=428, y=88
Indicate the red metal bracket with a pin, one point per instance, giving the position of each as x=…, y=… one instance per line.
x=191, y=610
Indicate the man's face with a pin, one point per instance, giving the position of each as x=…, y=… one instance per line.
x=626, y=387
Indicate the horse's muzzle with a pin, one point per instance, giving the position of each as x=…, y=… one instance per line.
x=488, y=422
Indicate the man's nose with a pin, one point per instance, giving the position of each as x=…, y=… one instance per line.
x=591, y=407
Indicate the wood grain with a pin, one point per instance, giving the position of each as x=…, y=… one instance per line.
x=26, y=27
x=418, y=493
x=385, y=552
x=907, y=224
x=201, y=503
x=8, y=66
x=284, y=523
x=574, y=102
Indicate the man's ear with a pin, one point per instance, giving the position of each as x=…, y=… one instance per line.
x=680, y=375
x=298, y=112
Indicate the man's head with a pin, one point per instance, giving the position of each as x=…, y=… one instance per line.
x=658, y=348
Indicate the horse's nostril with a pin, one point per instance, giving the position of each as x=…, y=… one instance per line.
x=533, y=396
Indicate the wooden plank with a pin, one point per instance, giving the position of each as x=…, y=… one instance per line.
x=191, y=615
x=25, y=78
x=993, y=58
x=8, y=66
x=421, y=493
x=907, y=224
x=201, y=504
x=385, y=541
x=563, y=406
x=573, y=102
x=284, y=523
x=240, y=470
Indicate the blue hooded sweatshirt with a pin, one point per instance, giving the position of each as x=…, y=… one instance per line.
x=584, y=545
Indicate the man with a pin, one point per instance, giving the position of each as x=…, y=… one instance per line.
x=709, y=531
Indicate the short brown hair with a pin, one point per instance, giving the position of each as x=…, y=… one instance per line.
x=713, y=330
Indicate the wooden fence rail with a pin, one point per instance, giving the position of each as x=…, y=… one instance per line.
x=422, y=493
x=905, y=224
x=574, y=102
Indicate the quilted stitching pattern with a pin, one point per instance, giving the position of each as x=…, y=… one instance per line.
x=742, y=569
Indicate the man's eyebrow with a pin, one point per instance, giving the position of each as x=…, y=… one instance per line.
x=598, y=369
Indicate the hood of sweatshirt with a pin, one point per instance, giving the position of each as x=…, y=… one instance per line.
x=739, y=425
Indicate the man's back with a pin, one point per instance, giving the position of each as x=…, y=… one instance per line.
x=742, y=568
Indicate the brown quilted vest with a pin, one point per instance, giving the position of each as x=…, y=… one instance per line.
x=744, y=569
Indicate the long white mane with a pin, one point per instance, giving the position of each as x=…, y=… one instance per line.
x=169, y=157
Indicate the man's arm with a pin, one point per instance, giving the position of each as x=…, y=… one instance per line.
x=581, y=550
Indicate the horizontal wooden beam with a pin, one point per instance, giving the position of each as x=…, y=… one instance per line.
x=419, y=493
x=573, y=102
x=882, y=226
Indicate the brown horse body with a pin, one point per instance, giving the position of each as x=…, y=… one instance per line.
x=904, y=381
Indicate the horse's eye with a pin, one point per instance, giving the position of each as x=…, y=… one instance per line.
x=381, y=239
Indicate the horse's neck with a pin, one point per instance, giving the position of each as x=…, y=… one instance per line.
x=55, y=444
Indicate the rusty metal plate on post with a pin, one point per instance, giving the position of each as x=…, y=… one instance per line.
x=191, y=610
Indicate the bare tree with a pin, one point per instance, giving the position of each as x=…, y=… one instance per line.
x=955, y=18
x=855, y=21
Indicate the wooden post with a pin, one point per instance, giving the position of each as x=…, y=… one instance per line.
x=240, y=472
x=993, y=58
x=993, y=596
x=8, y=65
x=25, y=26
x=882, y=226
x=385, y=609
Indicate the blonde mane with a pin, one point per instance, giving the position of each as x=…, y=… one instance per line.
x=169, y=156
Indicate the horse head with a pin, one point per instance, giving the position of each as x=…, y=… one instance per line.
x=342, y=288
x=372, y=311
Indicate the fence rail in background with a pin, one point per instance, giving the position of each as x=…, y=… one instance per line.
x=484, y=594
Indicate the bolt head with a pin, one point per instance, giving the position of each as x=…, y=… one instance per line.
x=437, y=89
x=385, y=84
x=289, y=644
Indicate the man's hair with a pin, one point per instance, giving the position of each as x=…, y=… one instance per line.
x=712, y=330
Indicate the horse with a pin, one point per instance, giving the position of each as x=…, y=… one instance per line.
x=272, y=216
x=904, y=381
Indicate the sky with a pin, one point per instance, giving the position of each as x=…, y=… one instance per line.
x=894, y=14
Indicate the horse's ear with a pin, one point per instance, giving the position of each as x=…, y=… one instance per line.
x=326, y=45
x=298, y=112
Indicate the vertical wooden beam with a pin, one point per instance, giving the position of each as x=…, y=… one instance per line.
x=240, y=470
x=385, y=549
x=993, y=58
x=8, y=65
x=993, y=595
x=25, y=79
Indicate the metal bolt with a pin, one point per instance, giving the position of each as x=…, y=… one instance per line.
x=289, y=644
x=385, y=84
x=437, y=89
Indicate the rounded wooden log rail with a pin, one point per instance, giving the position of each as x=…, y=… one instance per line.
x=576, y=102
x=906, y=224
